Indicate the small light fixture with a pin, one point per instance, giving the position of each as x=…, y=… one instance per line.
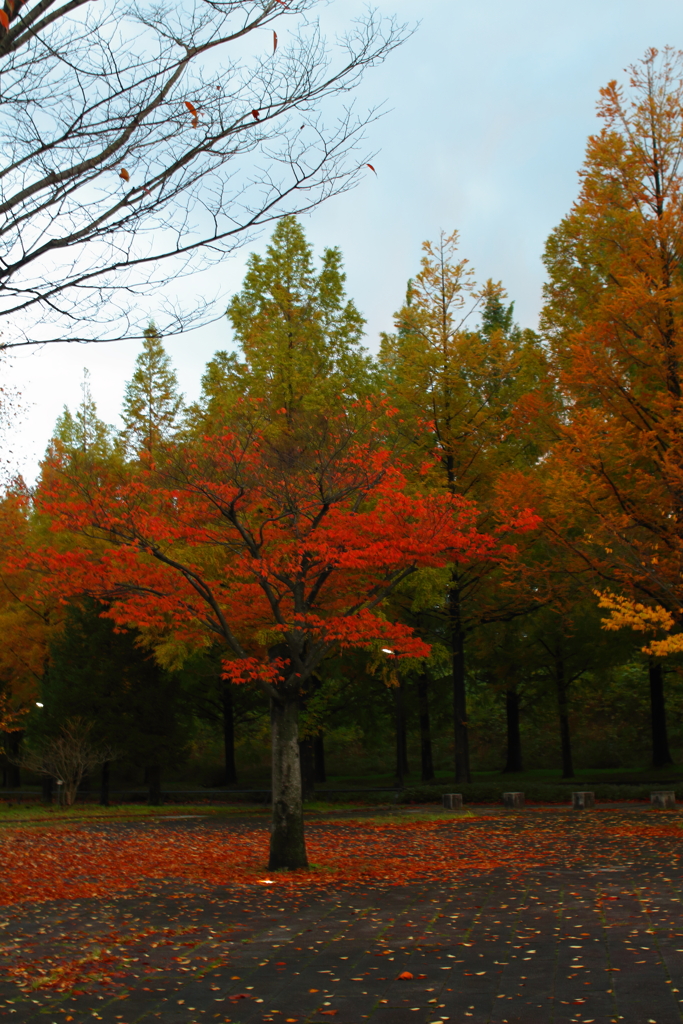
x=386, y=650
x=39, y=705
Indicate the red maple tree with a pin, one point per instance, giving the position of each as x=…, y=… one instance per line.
x=282, y=543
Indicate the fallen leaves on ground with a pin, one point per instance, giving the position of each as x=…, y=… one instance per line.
x=119, y=946
x=94, y=861
x=106, y=961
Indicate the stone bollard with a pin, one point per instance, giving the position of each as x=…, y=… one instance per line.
x=513, y=800
x=582, y=800
x=664, y=800
x=452, y=801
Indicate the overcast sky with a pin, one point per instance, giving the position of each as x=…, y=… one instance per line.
x=490, y=104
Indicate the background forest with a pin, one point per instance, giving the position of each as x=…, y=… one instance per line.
x=459, y=555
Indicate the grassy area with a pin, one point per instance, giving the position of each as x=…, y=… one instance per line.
x=84, y=812
x=541, y=785
x=534, y=792
x=553, y=776
x=40, y=813
x=635, y=775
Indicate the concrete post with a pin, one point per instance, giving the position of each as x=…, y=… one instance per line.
x=452, y=801
x=582, y=800
x=513, y=800
x=664, y=800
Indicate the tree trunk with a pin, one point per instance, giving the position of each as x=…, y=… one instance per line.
x=104, y=785
x=229, y=735
x=12, y=743
x=460, y=731
x=514, y=745
x=563, y=708
x=319, y=756
x=48, y=784
x=660, y=742
x=287, y=844
x=426, y=761
x=401, y=733
x=307, y=765
x=153, y=773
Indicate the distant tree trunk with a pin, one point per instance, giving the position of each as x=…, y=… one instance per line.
x=563, y=708
x=104, y=785
x=319, y=756
x=48, y=784
x=460, y=730
x=287, y=844
x=401, y=732
x=426, y=761
x=307, y=764
x=229, y=735
x=12, y=772
x=153, y=773
x=660, y=742
x=514, y=738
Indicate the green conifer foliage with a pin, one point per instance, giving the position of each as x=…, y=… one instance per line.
x=102, y=675
x=300, y=337
x=84, y=434
x=497, y=316
x=152, y=406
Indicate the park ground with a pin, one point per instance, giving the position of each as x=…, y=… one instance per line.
x=544, y=915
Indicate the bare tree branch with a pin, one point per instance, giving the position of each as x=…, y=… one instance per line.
x=146, y=142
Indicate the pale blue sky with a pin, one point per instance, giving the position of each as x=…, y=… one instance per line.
x=490, y=105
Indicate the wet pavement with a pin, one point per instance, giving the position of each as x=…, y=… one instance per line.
x=595, y=941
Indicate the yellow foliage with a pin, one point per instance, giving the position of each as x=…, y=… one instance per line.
x=625, y=613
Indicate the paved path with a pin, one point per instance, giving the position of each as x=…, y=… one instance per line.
x=592, y=942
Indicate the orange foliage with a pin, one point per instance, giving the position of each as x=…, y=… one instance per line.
x=613, y=318
x=259, y=544
x=78, y=863
x=27, y=618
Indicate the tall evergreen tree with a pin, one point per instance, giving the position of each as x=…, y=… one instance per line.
x=299, y=335
x=84, y=434
x=458, y=391
x=152, y=405
x=102, y=675
x=613, y=321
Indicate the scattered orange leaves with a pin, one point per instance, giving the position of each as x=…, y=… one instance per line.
x=77, y=862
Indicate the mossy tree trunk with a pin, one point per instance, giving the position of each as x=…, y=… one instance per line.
x=661, y=755
x=401, y=732
x=460, y=726
x=307, y=759
x=563, y=709
x=319, y=757
x=153, y=774
x=513, y=762
x=229, y=735
x=104, y=785
x=426, y=759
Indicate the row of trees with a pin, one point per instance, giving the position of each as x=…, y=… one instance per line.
x=476, y=496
